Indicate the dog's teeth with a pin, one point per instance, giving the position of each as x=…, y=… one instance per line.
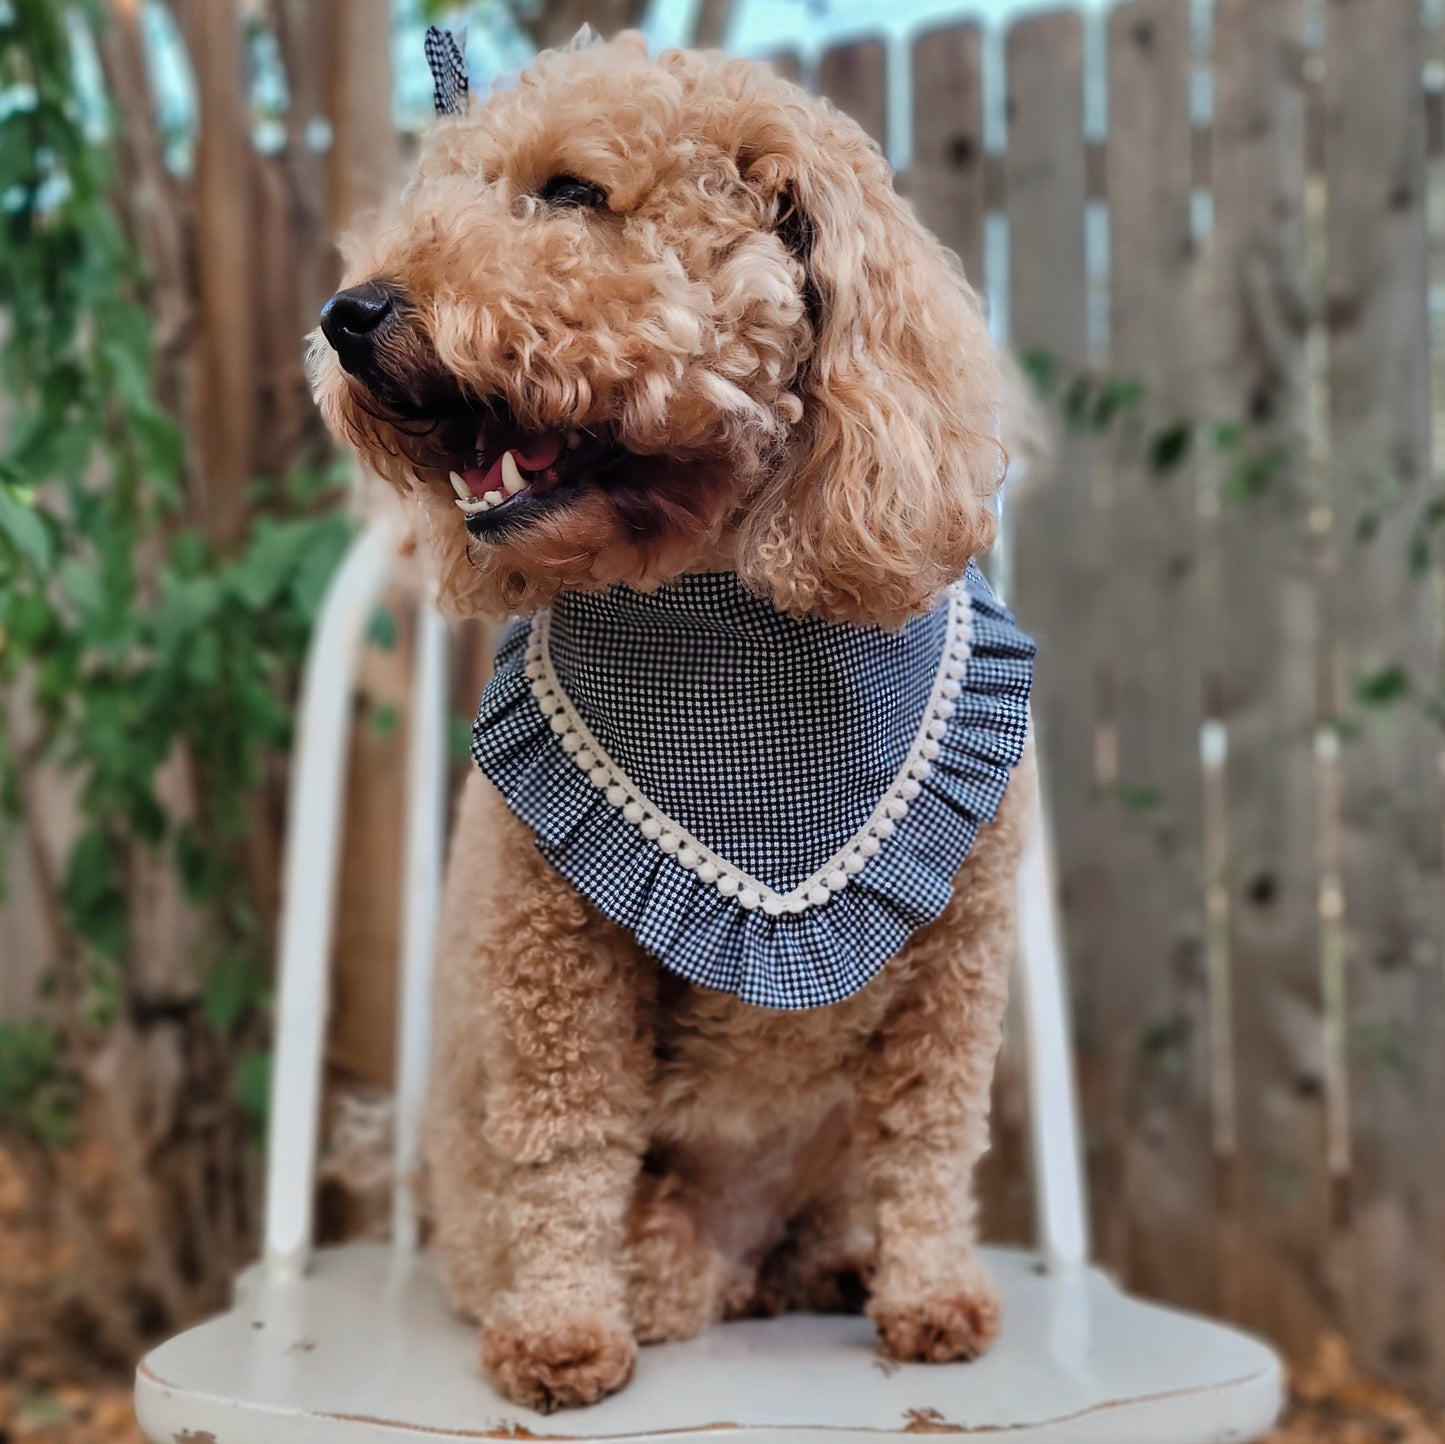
x=494, y=498
x=463, y=491
x=574, y=440
x=512, y=478
x=471, y=505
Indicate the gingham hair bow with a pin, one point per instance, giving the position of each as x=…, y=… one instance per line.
x=448, y=66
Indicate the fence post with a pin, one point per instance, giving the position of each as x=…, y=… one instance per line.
x=1387, y=620
x=946, y=176
x=855, y=78
x=1268, y=649
x=1152, y=983
x=1056, y=571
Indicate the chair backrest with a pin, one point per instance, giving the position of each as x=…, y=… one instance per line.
x=312, y=870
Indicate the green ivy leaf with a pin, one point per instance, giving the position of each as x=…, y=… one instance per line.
x=1163, y=1044
x=459, y=739
x=188, y=605
x=326, y=544
x=1251, y=477
x=1384, y=686
x=1078, y=403
x=1113, y=398
x=269, y=563
x=385, y=719
x=203, y=660
x=381, y=628
x=188, y=553
x=1171, y=446
x=252, y=1084
x=1226, y=435
x=1139, y=797
x=93, y=896
x=197, y=864
x=36, y=1090
x=1384, y=1044
x=163, y=452
x=23, y=527
x=1042, y=369
x=233, y=989
x=82, y=586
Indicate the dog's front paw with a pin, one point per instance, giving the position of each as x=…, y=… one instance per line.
x=958, y=1323
x=557, y=1362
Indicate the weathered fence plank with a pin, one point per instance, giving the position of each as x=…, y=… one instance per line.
x=1152, y=982
x=1055, y=573
x=855, y=78
x=226, y=396
x=946, y=177
x=1379, y=413
x=1276, y=1181
x=364, y=149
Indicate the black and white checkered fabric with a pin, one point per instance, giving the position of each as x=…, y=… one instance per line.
x=770, y=805
x=447, y=61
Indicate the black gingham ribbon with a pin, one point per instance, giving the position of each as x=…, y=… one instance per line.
x=448, y=66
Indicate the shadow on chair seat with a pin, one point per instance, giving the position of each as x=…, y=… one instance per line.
x=363, y=1350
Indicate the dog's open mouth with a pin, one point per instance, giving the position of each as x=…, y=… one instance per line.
x=481, y=488
x=511, y=476
x=510, y=472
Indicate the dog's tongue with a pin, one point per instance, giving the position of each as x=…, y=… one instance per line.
x=538, y=451
x=535, y=451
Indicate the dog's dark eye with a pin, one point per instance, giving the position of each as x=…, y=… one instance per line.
x=567, y=190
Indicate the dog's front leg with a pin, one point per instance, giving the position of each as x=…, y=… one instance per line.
x=924, y=1100
x=544, y=1053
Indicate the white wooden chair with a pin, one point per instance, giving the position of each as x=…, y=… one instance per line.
x=354, y=1345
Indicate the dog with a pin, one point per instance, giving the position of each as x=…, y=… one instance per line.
x=652, y=344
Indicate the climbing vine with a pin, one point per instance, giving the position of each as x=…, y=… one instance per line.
x=147, y=675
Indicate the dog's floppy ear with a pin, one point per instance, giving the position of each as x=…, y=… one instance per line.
x=890, y=488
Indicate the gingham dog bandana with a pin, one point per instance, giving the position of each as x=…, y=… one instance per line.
x=770, y=805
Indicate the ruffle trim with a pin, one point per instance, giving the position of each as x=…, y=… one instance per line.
x=827, y=938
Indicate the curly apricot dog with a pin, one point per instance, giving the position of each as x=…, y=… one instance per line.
x=664, y=323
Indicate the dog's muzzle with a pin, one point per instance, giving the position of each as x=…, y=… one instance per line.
x=354, y=320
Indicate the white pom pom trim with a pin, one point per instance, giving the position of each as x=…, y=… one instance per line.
x=848, y=862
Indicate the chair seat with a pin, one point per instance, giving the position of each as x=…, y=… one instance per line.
x=364, y=1351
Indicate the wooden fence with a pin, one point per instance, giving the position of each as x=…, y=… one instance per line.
x=1234, y=577
x=1235, y=582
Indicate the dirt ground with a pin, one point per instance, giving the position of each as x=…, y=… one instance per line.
x=1333, y=1405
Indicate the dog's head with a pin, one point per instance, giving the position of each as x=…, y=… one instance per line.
x=638, y=317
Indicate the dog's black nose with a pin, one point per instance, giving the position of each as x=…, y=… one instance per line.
x=351, y=318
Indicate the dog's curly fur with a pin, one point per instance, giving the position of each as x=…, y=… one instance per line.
x=781, y=372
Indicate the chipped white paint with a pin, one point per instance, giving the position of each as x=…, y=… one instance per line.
x=1079, y=1363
